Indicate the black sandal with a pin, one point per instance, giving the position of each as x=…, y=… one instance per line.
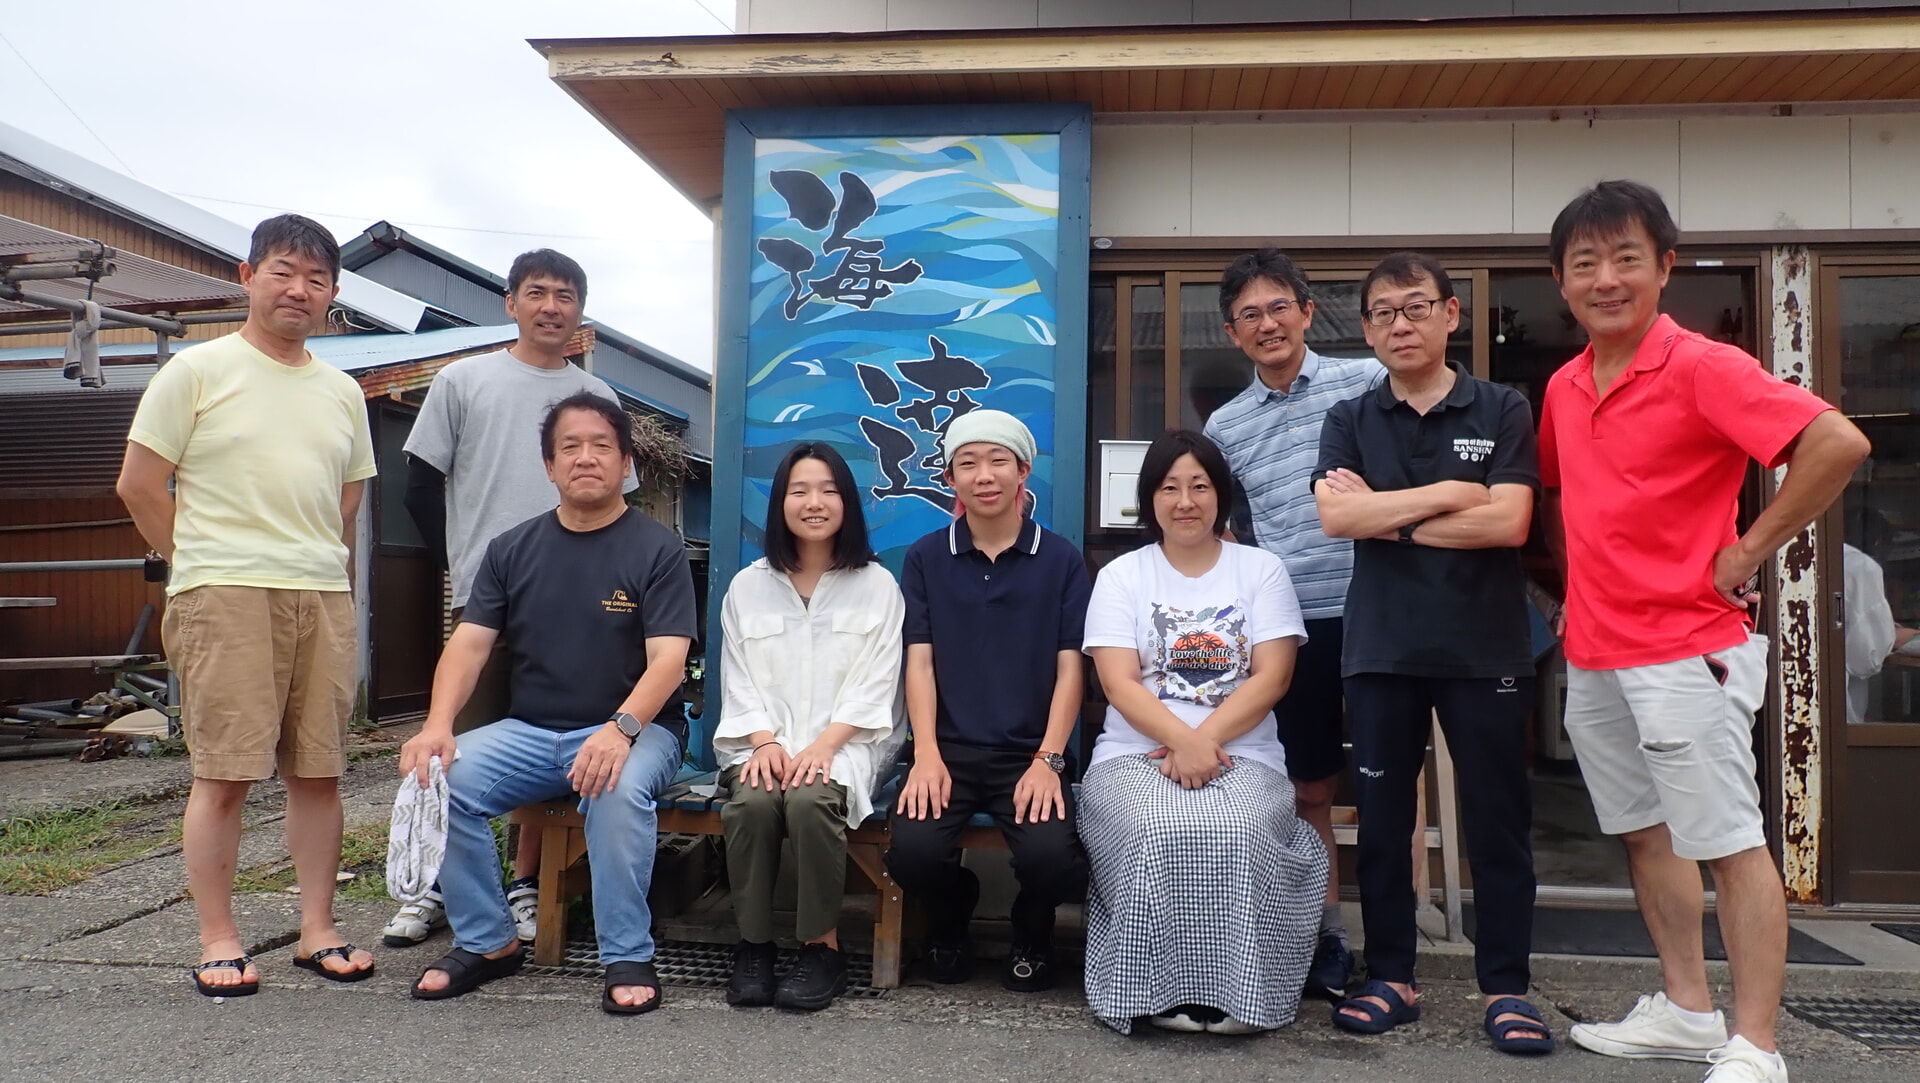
x=629, y=972
x=238, y=966
x=317, y=963
x=467, y=971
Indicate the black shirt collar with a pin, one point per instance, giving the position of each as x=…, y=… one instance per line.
x=960, y=539
x=1460, y=395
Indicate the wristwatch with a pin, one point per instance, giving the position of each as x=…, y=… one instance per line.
x=1406, y=532
x=629, y=726
x=1052, y=759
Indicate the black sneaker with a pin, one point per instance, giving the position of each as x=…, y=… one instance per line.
x=949, y=963
x=1027, y=970
x=818, y=977
x=1332, y=966
x=751, y=983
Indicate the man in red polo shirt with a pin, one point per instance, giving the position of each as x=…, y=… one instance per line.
x=1644, y=443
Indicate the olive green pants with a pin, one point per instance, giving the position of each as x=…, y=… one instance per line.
x=755, y=821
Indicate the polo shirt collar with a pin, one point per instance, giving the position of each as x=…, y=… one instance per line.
x=1459, y=396
x=1309, y=368
x=960, y=539
x=1652, y=353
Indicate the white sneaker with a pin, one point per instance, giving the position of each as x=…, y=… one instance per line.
x=1233, y=1026
x=1653, y=1030
x=1740, y=1061
x=523, y=898
x=415, y=922
x=1186, y=1018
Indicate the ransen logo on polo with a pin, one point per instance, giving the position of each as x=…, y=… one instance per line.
x=619, y=603
x=1472, y=449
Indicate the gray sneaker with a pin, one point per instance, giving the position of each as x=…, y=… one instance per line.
x=1652, y=1030
x=523, y=898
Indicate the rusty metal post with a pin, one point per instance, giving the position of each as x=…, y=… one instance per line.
x=1797, y=595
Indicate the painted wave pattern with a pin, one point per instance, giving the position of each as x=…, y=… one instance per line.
x=979, y=217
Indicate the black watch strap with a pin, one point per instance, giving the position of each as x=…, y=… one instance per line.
x=1406, y=532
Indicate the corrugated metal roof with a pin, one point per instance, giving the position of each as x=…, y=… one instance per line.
x=349, y=353
x=49, y=381
x=136, y=283
x=649, y=402
x=41, y=161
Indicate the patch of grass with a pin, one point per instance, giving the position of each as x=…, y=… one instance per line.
x=43, y=853
x=363, y=852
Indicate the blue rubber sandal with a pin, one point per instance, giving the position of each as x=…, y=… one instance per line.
x=1378, y=1020
x=1501, y=1033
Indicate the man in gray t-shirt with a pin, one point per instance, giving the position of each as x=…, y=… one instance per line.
x=474, y=471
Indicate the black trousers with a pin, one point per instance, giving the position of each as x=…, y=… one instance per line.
x=924, y=857
x=1484, y=719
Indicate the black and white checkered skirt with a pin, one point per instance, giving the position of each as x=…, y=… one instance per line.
x=1209, y=896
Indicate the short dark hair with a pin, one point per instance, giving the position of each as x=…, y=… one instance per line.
x=1268, y=263
x=1609, y=209
x=1161, y=455
x=587, y=400
x=1406, y=269
x=298, y=235
x=850, y=547
x=548, y=263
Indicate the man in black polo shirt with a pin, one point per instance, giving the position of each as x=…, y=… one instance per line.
x=996, y=606
x=595, y=601
x=1433, y=474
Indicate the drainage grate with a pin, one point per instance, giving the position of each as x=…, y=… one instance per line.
x=700, y=966
x=1877, y=1022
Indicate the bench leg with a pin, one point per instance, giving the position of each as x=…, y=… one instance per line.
x=550, y=941
x=890, y=906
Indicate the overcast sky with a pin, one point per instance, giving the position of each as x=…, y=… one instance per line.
x=433, y=114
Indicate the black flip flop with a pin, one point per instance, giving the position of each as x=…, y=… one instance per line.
x=467, y=971
x=629, y=972
x=238, y=966
x=317, y=963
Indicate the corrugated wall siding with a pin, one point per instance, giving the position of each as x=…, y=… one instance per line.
x=97, y=611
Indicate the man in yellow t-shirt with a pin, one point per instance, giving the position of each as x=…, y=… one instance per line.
x=269, y=451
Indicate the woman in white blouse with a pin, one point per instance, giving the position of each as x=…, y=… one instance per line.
x=810, y=664
x=1205, y=897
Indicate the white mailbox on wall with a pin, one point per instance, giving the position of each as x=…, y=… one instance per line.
x=1119, y=476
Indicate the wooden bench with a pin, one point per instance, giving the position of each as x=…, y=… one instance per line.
x=682, y=811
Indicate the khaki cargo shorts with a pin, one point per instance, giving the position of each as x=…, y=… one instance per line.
x=266, y=677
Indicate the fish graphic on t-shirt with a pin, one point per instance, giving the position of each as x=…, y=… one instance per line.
x=1201, y=656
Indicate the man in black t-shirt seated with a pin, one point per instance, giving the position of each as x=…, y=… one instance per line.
x=595, y=601
x=1433, y=474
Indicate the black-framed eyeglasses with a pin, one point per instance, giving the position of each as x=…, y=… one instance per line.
x=1415, y=311
x=1276, y=310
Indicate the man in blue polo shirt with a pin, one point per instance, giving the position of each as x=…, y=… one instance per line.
x=1270, y=434
x=996, y=608
x=1434, y=474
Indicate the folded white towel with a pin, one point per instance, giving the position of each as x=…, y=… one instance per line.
x=417, y=837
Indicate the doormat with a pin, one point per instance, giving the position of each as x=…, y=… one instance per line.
x=1877, y=1022
x=689, y=964
x=1559, y=931
x=1904, y=932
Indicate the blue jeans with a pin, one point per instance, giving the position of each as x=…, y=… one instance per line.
x=511, y=763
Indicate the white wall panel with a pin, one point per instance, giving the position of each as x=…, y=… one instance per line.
x=1886, y=172
x=1142, y=181
x=813, y=16
x=1760, y=173
x=1270, y=180
x=1424, y=179
x=1553, y=160
x=1115, y=12
x=962, y=14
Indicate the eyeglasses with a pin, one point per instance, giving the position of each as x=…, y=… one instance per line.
x=1415, y=312
x=1276, y=310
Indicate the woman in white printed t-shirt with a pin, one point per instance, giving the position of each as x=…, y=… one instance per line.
x=810, y=664
x=1206, y=886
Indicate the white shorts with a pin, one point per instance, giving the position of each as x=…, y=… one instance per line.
x=1673, y=743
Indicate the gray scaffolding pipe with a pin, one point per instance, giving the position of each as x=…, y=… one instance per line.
x=166, y=327
x=61, y=327
x=126, y=565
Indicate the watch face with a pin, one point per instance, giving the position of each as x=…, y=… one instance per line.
x=628, y=724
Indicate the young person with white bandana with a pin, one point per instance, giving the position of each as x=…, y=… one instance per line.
x=996, y=606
